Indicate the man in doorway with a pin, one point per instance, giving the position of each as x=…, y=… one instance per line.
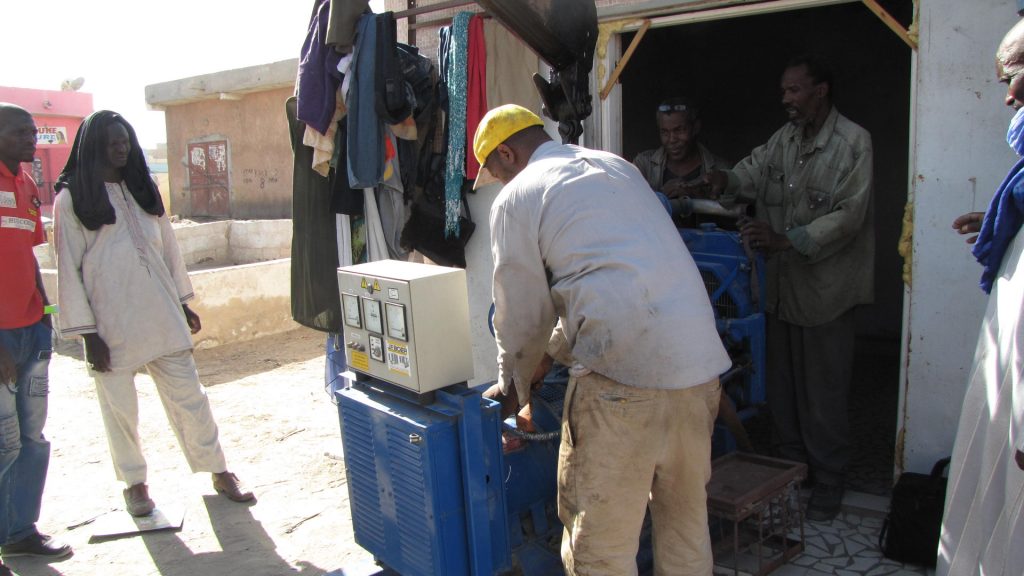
x=681, y=160
x=811, y=184
x=577, y=237
x=123, y=289
x=983, y=522
x=25, y=348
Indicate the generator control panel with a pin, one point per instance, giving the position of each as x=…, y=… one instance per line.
x=407, y=323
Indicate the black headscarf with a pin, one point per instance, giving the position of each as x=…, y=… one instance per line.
x=82, y=175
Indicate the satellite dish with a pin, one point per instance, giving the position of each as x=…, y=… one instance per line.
x=72, y=85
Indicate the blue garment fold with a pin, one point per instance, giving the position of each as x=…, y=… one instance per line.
x=365, y=128
x=1002, y=221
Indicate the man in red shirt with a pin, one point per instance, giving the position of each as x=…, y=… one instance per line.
x=25, y=348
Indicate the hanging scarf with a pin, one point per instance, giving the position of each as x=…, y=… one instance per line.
x=476, y=90
x=455, y=166
x=1005, y=214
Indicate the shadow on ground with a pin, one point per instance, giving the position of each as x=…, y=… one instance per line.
x=244, y=546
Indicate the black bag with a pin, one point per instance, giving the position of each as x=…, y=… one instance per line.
x=910, y=532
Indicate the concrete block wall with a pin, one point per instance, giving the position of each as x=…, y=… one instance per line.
x=238, y=303
x=259, y=240
x=207, y=242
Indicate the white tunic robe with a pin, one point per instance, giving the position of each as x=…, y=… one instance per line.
x=126, y=281
x=983, y=525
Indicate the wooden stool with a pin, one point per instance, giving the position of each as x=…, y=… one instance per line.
x=760, y=498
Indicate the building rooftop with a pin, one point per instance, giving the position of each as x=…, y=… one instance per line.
x=224, y=85
x=49, y=102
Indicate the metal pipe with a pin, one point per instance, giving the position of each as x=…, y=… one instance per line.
x=432, y=8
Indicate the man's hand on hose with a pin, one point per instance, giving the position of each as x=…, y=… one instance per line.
x=509, y=402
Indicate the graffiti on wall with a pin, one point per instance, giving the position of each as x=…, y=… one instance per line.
x=208, y=178
x=259, y=177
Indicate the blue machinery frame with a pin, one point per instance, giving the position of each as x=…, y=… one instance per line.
x=431, y=491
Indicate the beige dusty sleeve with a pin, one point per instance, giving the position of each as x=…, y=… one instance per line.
x=558, y=346
x=69, y=237
x=523, y=310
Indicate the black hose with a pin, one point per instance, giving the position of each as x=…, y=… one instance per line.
x=532, y=436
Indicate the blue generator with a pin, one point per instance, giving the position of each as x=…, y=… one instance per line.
x=432, y=491
x=734, y=278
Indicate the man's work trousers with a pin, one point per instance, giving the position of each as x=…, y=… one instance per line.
x=187, y=408
x=624, y=449
x=809, y=374
x=24, y=451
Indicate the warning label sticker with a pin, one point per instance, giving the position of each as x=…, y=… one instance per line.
x=370, y=286
x=359, y=360
x=398, y=358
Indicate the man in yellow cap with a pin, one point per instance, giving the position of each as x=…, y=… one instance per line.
x=578, y=238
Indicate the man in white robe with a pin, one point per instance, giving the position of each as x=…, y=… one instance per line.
x=123, y=288
x=983, y=524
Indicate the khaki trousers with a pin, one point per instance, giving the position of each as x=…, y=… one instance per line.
x=187, y=408
x=624, y=449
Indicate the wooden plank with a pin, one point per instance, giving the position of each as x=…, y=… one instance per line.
x=891, y=22
x=625, y=59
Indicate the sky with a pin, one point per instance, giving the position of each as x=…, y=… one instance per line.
x=121, y=46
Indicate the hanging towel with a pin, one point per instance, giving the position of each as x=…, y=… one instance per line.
x=317, y=83
x=365, y=129
x=476, y=90
x=455, y=171
x=510, y=69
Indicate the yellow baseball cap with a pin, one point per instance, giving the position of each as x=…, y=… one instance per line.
x=494, y=128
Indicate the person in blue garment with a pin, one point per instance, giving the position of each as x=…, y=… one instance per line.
x=983, y=521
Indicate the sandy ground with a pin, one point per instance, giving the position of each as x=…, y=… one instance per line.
x=280, y=432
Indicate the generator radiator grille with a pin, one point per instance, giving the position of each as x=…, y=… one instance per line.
x=725, y=307
x=362, y=479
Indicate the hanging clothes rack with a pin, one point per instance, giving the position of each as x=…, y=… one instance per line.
x=412, y=11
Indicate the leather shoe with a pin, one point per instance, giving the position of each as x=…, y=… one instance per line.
x=137, y=500
x=226, y=483
x=36, y=545
x=825, y=502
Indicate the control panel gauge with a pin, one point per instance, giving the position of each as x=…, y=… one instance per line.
x=371, y=312
x=396, y=321
x=350, y=304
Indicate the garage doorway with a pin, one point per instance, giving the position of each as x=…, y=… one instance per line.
x=731, y=66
